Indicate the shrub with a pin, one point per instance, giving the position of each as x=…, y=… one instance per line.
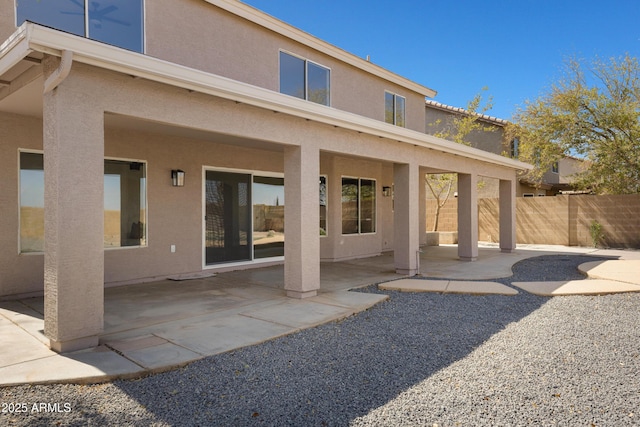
x=597, y=236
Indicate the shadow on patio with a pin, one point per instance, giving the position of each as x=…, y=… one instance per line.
x=156, y=326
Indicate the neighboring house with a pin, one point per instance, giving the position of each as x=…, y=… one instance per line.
x=144, y=139
x=556, y=180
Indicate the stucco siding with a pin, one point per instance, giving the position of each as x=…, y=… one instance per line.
x=207, y=38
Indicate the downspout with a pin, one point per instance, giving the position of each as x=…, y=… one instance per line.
x=61, y=73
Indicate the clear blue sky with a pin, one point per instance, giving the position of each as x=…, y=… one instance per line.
x=514, y=47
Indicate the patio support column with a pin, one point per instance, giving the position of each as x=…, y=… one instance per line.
x=302, y=219
x=507, y=215
x=74, y=217
x=468, y=216
x=406, y=218
x=422, y=209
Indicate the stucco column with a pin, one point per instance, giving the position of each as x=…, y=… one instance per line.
x=468, y=216
x=422, y=209
x=406, y=219
x=74, y=220
x=507, y=215
x=302, y=221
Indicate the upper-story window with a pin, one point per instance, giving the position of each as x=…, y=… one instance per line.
x=116, y=22
x=515, y=148
x=394, y=109
x=304, y=79
x=555, y=167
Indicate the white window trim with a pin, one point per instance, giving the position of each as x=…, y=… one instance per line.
x=326, y=183
x=86, y=22
x=146, y=201
x=360, y=233
x=306, y=72
x=395, y=108
x=252, y=261
x=23, y=150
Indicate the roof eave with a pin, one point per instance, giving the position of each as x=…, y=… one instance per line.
x=280, y=27
x=46, y=40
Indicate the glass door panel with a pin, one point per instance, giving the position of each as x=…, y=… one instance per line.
x=268, y=217
x=227, y=217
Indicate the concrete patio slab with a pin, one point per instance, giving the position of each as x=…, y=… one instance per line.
x=97, y=364
x=627, y=271
x=448, y=287
x=577, y=287
x=18, y=345
x=162, y=356
x=218, y=335
x=415, y=285
x=157, y=326
x=479, y=288
x=356, y=301
x=298, y=313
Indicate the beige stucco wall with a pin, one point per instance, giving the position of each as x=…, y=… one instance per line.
x=200, y=35
x=491, y=140
x=18, y=272
x=7, y=19
x=173, y=128
x=204, y=37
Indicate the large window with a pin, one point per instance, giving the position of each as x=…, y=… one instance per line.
x=323, y=205
x=358, y=205
x=394, y=109
x=268, y=216
x=116, y=22
x=124, y=203
x=304, y=79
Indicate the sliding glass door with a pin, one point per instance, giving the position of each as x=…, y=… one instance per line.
x=227, y=217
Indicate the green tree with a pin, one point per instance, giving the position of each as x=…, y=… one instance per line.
x=457, y=129
x=592, y=112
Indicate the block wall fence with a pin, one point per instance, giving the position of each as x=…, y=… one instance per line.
x=558, y=220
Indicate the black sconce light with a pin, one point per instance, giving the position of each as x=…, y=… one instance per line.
x=177, y=178
x=386, y=191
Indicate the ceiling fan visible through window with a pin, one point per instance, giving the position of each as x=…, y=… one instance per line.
x=98, y=14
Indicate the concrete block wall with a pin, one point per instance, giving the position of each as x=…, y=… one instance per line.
x=619, y=216
x=559, y=220
x=448, y=215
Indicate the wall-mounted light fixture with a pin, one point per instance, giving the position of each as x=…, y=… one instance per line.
x=386, y=191
x=177, y=178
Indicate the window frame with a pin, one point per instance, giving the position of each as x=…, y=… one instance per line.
x=105, y=158
x=86, y=27
x=515, y=148
x=326, y=220
x=394, y=113
x=146, y=202
x=19, y=173
x=305, y=77
x=359, y=206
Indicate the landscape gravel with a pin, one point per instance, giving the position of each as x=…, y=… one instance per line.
x=416, y=359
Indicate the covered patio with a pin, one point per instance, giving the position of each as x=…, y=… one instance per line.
x=155, y=326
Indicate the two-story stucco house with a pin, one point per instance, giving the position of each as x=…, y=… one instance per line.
x=142, y=139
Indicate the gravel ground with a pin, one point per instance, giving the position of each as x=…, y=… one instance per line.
x=416, y=359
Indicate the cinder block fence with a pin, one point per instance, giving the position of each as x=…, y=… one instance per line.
x=559, y=220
